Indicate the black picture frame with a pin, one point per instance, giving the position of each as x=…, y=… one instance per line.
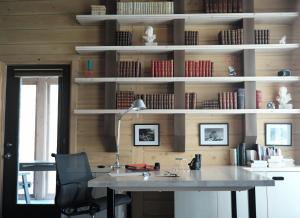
x=213, y=134
x=146, y=134
x=283, y=134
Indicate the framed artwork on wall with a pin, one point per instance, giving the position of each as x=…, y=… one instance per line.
x=146, y=134
x=214, y=134
x=278, y=134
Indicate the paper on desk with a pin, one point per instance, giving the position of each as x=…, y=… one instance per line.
x=126, y=174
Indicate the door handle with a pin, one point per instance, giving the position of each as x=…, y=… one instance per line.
x=278, y=178
x=7, y=156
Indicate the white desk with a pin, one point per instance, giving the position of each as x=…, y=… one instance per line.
x=217, y=178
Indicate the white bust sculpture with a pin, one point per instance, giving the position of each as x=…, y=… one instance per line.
x=149, y=37
x=282, y=40
x=284, y=98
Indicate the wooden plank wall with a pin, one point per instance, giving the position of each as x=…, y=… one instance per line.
x=46, y=32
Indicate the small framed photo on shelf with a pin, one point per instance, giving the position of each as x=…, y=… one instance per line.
x=214, y=134
x=278, y=134
x=146, y=134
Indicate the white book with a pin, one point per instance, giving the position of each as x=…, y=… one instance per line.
x=233, y=158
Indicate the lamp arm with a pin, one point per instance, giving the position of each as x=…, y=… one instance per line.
x=122, y=114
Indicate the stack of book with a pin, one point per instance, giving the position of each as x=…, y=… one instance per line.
x=231, y=37
x=262, y=36
x=191, y=37
x=190, y=100
x=158, y=101
x=124, y=99
x=129, y=69
x=166, y=7
x=210, y=104
x=98, y=10
x=223, y=6
x=198, y=68
x=228, y=100
x=123, y=38
x=162, y=68
x=258, y=163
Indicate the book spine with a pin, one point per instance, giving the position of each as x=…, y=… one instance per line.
x=258, y=99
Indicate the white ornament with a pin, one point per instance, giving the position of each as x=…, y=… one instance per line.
x=149, y=37
x=284, y=98
x=282, y=40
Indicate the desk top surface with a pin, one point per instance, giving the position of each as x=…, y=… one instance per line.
x=226, y=178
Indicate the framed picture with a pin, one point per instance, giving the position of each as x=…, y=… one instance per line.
x=146, y=134
x=278, y=134
x=214, y=134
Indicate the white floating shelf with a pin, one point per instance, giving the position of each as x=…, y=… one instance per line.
x=184, y=111
x=190, y=19
x=190, y=49
x=198, y=80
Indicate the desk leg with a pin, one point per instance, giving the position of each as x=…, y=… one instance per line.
x=233, y=205
x=25, y=187
x=251, y=203
x=110, y=203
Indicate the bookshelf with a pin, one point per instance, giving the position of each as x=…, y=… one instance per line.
x=195, y=80
x=190, y=19
x=178, y=52
x=189, y=49
x=192, y=111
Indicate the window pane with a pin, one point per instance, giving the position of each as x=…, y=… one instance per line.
x=27, y=131
x=52, y=134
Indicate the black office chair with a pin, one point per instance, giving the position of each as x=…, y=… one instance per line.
x=73, y=196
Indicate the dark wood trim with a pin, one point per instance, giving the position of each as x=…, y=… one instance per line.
x=111, y=6
x=110, y=29
x=248, y=26
x=248, y=6
x=110, y=203
x=110, y=120
x=179, y=133
x=178, y=31
x=179, y=6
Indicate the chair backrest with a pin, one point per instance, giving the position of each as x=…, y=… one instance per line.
x=73, y=174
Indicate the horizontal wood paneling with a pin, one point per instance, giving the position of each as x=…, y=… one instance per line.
x=46, y=32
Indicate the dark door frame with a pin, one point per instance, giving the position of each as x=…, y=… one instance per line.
x=10, y=208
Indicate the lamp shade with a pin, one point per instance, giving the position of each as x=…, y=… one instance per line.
x=138, y=105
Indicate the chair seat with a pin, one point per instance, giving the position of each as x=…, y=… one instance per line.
x=119, y=200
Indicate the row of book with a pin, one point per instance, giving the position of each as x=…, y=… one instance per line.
x=162, y=68
x=98, y=9
x=201, y=68
x=123, y=38
x=232, y=99
x=129, y=69
x=190, y=100
x=124, y=99
x=262, y=36
x=210, y=104
x=166, y=7
x=191, y=37
x=158, y=101
x=223, y=6
x=231, y=37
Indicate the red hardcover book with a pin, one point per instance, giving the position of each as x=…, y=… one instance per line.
x=235, y=100
x=205, y=68
x=196, y=69
x=162, y=68
x=190, y=67
x=200, y=69
x=221, y=100
x=187, y=100
x=227, y=100
x=224, y=100
x=231, y=100
x=258, y=99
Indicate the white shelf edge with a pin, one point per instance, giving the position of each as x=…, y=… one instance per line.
x=184, y=111
x=187, y=48
x=203, y=18
x=157, y=80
